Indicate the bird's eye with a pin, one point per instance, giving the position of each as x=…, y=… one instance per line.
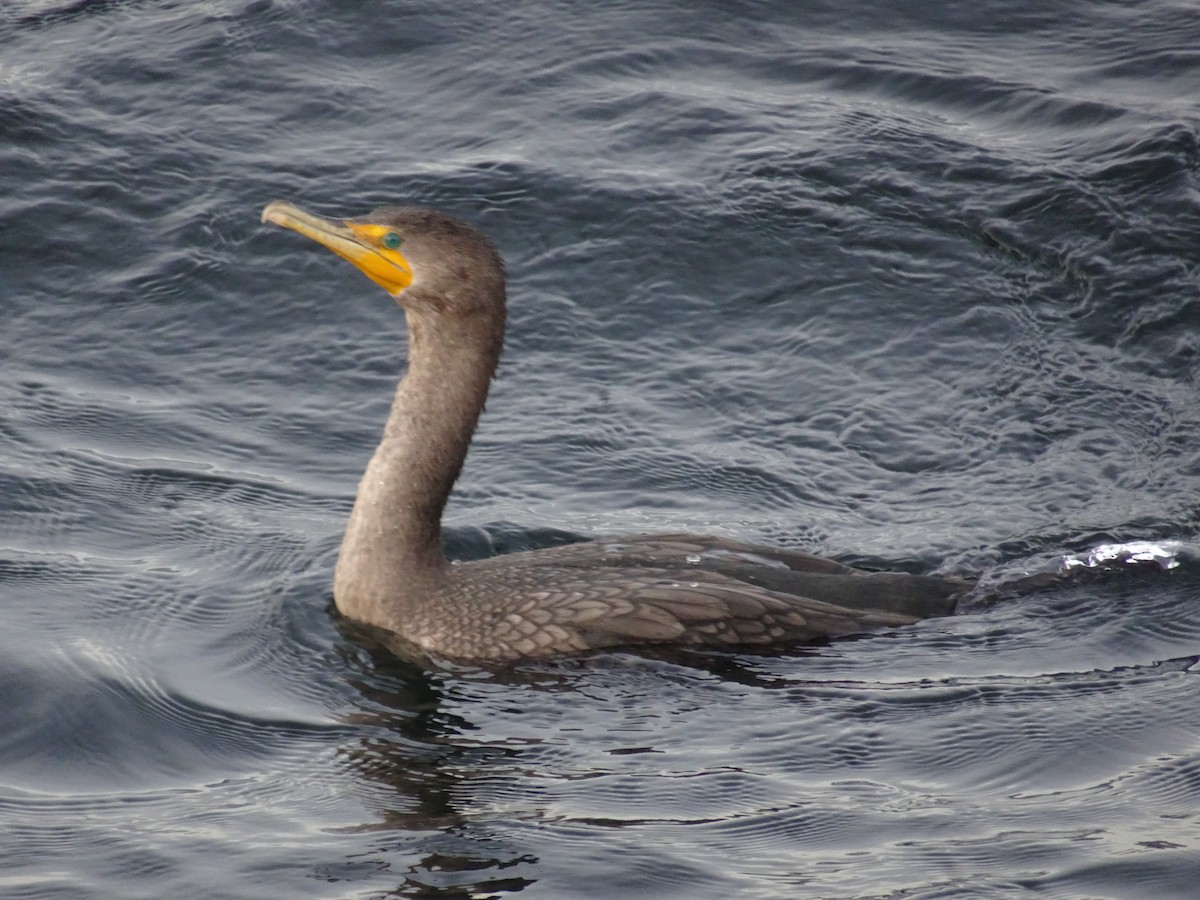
x=391, y=240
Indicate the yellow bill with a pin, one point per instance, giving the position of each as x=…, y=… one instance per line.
x=372, y=248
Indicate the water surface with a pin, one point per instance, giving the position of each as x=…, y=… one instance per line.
x=912, y=286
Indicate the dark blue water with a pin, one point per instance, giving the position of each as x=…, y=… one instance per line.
x=912, y=285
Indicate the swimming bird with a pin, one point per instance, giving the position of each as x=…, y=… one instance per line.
x=680, y=589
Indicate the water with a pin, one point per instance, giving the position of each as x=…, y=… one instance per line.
x=910, y=285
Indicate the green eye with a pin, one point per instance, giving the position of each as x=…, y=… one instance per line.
x=391, y=240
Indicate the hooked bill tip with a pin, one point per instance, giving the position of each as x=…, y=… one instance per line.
x=271, y=211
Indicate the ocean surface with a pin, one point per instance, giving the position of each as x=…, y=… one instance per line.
x=912, y=285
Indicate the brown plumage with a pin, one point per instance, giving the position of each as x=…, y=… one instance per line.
x=676, y=589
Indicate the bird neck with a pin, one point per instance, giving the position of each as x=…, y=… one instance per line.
x=392, y=549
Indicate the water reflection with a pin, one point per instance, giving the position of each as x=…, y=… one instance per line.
x=425, y=756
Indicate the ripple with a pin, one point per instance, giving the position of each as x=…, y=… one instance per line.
x=910, y=285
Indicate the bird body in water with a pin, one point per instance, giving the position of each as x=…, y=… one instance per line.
x=680, y=589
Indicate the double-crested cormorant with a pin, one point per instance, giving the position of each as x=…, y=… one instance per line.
x=670, y=589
